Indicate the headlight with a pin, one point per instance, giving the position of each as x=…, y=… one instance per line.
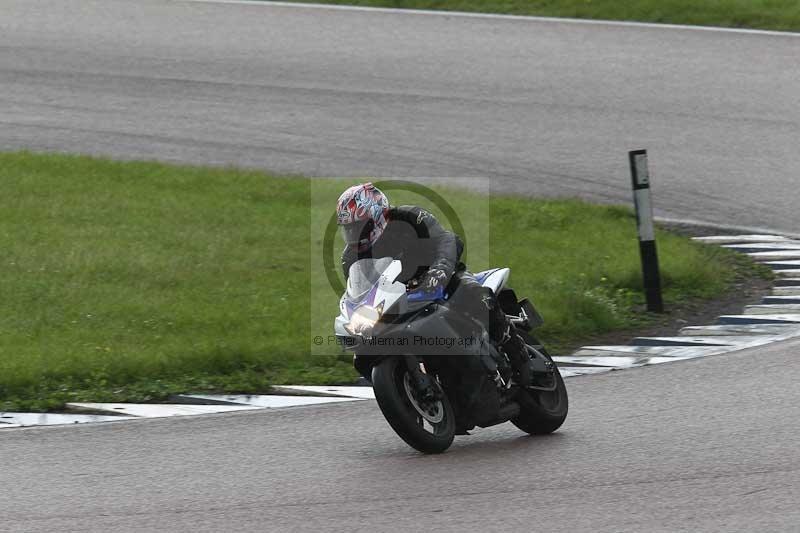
x=363, y=320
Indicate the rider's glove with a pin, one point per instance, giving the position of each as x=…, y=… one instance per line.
x=433, y=279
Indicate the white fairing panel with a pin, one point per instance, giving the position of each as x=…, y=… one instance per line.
x=388, y=293
x=389, y=290
x=497, y=279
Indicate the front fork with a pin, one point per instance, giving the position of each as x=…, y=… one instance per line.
x=422, y=381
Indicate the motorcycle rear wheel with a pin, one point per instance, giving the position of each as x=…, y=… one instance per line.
x=542, y=412
x=425, y=426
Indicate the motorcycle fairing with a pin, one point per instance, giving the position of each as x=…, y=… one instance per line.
x=494, y=278
x=386, y=292
x=390, y=295
x=433, y=321
x=427, y=296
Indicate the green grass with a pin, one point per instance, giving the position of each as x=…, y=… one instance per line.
x=133, y=280
x=764, y=14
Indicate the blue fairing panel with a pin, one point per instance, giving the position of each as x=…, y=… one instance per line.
x=426, y=296
x=439, y=294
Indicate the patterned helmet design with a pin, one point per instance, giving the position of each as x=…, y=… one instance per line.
x=361, y=214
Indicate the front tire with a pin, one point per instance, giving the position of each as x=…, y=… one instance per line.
x=427, y=427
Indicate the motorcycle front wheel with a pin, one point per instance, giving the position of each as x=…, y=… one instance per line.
x=427, y=426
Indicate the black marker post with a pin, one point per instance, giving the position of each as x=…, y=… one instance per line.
x=647, y=236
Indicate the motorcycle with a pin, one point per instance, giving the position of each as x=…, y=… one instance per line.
x=423, y=358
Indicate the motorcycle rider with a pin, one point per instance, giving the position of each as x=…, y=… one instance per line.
x=430, y=255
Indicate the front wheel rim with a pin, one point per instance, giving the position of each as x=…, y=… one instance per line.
x=433, y=412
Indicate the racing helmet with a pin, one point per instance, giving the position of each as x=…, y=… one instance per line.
x=361, y=214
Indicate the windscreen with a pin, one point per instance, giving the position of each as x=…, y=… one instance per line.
x=364, y=274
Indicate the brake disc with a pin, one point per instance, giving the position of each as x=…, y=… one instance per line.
x=434, y=414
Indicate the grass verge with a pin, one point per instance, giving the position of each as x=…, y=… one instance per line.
x=129, y=281
x=762, y=14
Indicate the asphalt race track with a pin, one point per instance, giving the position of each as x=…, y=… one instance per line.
x=712, y=446
x=543, y=107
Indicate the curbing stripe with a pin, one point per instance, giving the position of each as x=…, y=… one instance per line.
x=679, y=341
x=53, y=419
x=763, y=247
x=567, y=371
x=775, y=255
x=718, y=340
x=649, y=351
x=759, y=319
x=777, y=300
x=773, y=309
x=348, y=392
x=742, y=239
x=609, y=360
x=620, y=362
x=158, y=410
x=787, y=290
x=269, y=401
x=781, y=331
x=785, y=266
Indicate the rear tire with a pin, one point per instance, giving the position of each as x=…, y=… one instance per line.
x=542, y=412
x=432, y=432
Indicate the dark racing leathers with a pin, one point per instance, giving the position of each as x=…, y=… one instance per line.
x=415, y=237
